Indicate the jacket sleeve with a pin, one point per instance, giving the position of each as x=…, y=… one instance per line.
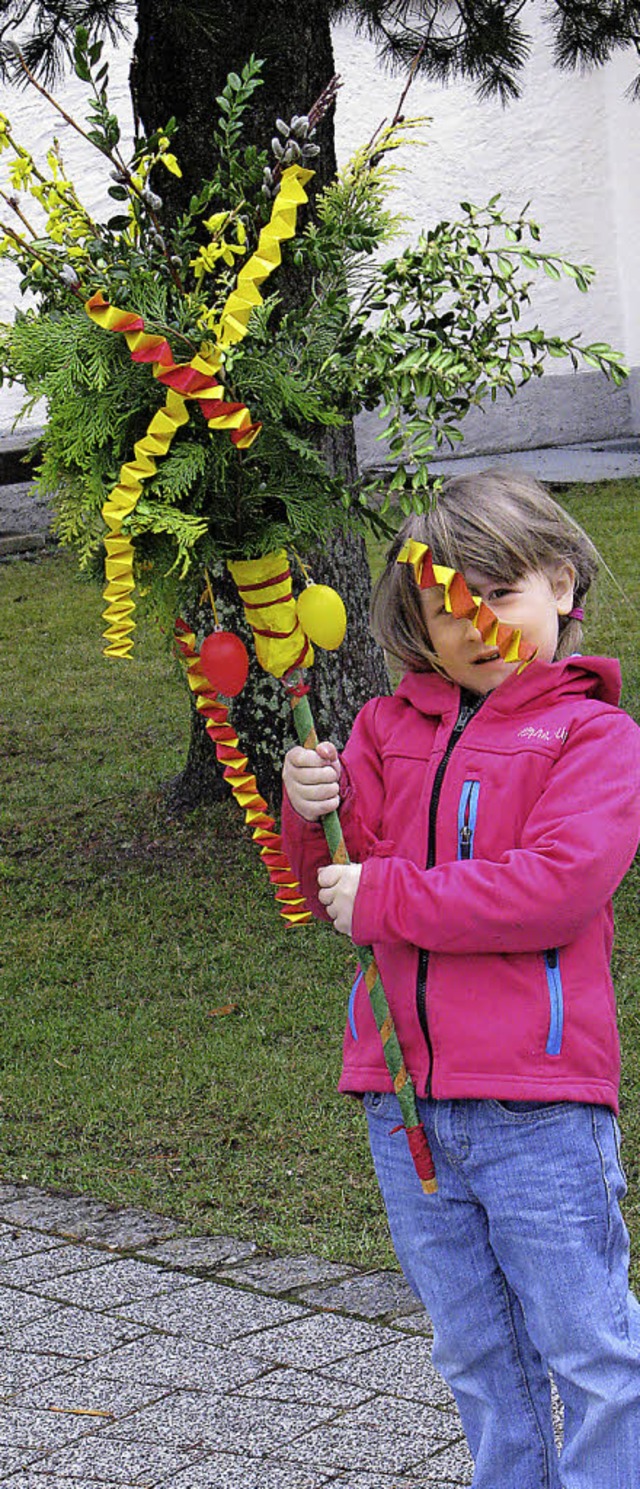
x=360, y=812
x=576, y=847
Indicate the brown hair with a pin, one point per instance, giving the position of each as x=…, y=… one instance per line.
x=499, y=521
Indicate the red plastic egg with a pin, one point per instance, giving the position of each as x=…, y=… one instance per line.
x=225, y=662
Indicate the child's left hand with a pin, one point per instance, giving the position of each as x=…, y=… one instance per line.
x=338, y=888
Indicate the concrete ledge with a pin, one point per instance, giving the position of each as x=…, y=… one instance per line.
x=550, y=411
x=17, y=455
x=15, y=543
x=612, y=460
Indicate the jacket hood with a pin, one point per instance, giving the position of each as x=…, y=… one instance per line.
x=573, y=677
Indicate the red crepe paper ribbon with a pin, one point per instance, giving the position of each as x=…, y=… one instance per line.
x=291, y=902
x=460, y=602
x=194, y=380
x=421, y=1155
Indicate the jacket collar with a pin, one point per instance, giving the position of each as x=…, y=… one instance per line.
x=574, y=677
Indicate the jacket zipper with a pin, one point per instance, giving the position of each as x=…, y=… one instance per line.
x=556, y=1001
x=467, y=816
x=466, y=712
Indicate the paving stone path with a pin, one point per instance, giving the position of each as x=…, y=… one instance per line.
x=134, y=1354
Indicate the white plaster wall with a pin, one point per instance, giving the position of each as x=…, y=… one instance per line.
x=34, y=123
x=566, y=146
x=623, y=142
x=569, y=146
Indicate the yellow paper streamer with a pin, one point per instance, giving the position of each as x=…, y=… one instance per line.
x=264, y=586
x=194, y=381
x=234, y=320
x=120, y=503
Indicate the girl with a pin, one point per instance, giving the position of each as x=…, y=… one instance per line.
x=490, y=810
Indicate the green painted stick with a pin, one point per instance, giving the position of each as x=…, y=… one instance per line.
x=402, y=1084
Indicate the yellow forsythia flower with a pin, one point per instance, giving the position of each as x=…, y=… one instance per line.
x=166, y=157
x=171, y=164
x=20, y=170
x=217, y=221
x=207, y=319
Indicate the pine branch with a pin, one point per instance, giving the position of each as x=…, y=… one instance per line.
x=49, y=45
x=588, y=34
x=486, y=41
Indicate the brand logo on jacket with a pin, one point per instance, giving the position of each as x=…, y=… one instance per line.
x=545, y=734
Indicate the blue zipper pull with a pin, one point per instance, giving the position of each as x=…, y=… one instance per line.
x=467, y=815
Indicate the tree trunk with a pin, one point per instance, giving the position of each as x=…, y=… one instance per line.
x=182, y=57
x=184, y=52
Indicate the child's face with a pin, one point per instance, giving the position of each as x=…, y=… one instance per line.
x=533, y=603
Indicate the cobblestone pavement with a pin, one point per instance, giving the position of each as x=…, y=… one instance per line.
x=133, y=1354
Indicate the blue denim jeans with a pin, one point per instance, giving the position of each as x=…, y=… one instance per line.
x=521, y=1259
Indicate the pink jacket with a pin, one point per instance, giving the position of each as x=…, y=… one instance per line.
x=495, y=959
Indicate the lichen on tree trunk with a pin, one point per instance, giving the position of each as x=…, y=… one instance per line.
x=182, y=57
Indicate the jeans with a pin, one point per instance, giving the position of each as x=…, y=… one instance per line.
x=521, y=1259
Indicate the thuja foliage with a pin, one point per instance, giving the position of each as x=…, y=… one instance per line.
x=426, y=334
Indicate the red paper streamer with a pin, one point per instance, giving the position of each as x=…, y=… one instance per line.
x=291, y=902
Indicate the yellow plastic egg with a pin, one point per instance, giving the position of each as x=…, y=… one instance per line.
x=322, y=616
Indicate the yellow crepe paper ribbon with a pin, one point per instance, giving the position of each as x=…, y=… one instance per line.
x=291, y=902
x=460, y=602
x=264, y=586
x=119, y=504
x=234, y=320
x=195, y=381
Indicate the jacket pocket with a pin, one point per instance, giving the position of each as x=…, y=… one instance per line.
x=352, y=1002
x=467, y=817
x=556, y=1001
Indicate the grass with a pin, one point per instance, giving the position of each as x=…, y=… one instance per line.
x=165, y=1040
x=122, y=936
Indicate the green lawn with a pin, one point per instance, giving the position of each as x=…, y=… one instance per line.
x=124, y=935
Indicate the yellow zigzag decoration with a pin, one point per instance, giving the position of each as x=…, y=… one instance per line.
x=459, y=602
x=119, y=504
x=234, y=320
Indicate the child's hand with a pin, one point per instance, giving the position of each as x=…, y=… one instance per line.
x=311, y=780
x=338, y=889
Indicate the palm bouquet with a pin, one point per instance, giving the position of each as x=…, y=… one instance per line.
x=193, y=369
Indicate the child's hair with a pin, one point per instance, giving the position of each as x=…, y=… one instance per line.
x=499, y=521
